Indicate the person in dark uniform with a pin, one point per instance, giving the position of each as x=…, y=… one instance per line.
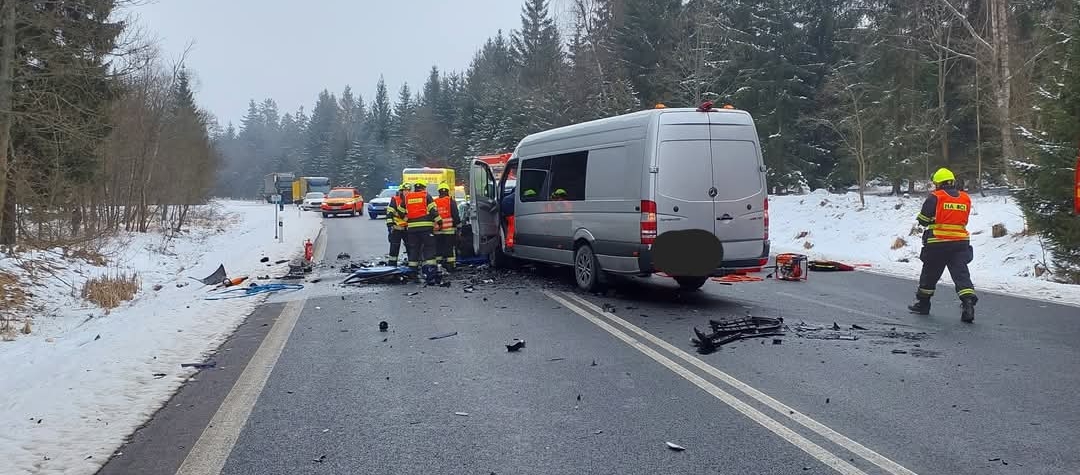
x=946, y=244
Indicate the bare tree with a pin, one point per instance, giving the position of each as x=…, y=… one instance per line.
x=851, y=120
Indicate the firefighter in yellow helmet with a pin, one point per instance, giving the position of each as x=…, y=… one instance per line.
x=396, y=224
x=422, y=220
x=946, y=244
x=446, y=236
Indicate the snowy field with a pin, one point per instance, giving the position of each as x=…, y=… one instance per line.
x=84, y=379
x=837, y=228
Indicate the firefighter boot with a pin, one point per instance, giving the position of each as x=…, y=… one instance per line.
x=967, y=305
x=921, y=305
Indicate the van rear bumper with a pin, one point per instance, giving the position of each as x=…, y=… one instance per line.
x=645, y=263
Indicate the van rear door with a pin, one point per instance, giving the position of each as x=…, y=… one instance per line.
x=684, y=173
x=484, y=208
x=739, y=203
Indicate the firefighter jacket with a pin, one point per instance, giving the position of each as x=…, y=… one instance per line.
x=395, y=213
x=945, y=213
x=448, y=211
x=421, y=214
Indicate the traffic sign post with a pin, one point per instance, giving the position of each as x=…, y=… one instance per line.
x=276, y=199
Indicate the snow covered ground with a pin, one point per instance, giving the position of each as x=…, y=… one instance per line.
x=838, y=228
x=84, y=379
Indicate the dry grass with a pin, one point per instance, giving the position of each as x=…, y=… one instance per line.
x=898, y=243
x=90, y=255
x=109, y=291
x=12, y=295
x=808, y=245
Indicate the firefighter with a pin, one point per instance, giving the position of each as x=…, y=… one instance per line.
x=395, y=224
x=946, y=243
x=422, y=220
x=446, y=236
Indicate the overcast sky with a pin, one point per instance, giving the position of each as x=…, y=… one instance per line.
x=289, y=50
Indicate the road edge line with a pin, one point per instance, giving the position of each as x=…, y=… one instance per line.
x=215, y=444
x=806, y=445
x=806, y=421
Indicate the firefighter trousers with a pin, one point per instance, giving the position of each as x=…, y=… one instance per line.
x=936, y=257
x=446, y=247
x=421, y=247
x=396, y=236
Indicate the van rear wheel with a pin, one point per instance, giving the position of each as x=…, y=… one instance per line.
x=586, y=269
x=691, y=283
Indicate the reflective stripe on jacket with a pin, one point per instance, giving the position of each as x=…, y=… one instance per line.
x=950, y=217
x=395, y=213
x=420, y=211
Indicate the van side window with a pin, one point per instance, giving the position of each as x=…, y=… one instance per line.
x=534, y=173
x=568, y=176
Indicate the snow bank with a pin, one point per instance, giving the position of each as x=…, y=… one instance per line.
x=838, y=228
x=69, y=398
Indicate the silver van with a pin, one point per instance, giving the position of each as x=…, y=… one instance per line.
x=677, y=191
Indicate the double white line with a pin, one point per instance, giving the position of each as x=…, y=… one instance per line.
x=601, y=319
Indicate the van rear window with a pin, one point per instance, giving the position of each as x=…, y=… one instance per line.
x=685, y=170
x=736, y=167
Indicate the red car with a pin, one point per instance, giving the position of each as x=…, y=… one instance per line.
x=345, y=200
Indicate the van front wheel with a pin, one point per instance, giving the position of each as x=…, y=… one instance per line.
x=691, y=283
x=586, y=269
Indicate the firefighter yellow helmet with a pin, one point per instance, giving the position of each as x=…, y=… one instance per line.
x=444, y=186
x=529, y=193
x=943, y=175
x=405, y=187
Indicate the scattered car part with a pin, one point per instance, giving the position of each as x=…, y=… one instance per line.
x=729, y=330
x=517, y=345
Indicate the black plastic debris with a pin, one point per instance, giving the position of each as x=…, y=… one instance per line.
x=412, y=294
x=556, y=359
x=441, y=336
x=609, y=308
x=383, y=326
x=777, y=341
x=264, y=259
x=727, y=331
x=215, y=278
x=517, y=345
x=857, y=327
x=281, y=261
x=675, y=447
x=815, y=332
x=319, y=459
x=159, y=375
x=835, y=327
x=899, y=352
x=96, y=338
x=344, y=255
x=209, y=364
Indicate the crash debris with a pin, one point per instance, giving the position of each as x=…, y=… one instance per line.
x=729, y=330
x=516, y=345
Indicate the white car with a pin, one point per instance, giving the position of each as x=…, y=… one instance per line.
x=312, y=201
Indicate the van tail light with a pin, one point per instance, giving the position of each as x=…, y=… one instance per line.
x=766, y=217
x=648, y=222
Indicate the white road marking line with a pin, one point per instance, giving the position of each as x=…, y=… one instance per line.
x=837, y=438
x=816, y=451
x=830, y=305
x=210, y=452
x=217, y=440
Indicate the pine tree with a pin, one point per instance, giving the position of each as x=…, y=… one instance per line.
x=400, y=124
x=1048, y=199
x=319, y=147
x=537, y=53
x=381, y=114
x=646, y=39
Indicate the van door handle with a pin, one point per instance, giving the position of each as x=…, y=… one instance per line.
x=725, y=217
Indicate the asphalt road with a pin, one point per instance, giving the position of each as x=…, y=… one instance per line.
x=605, y=381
